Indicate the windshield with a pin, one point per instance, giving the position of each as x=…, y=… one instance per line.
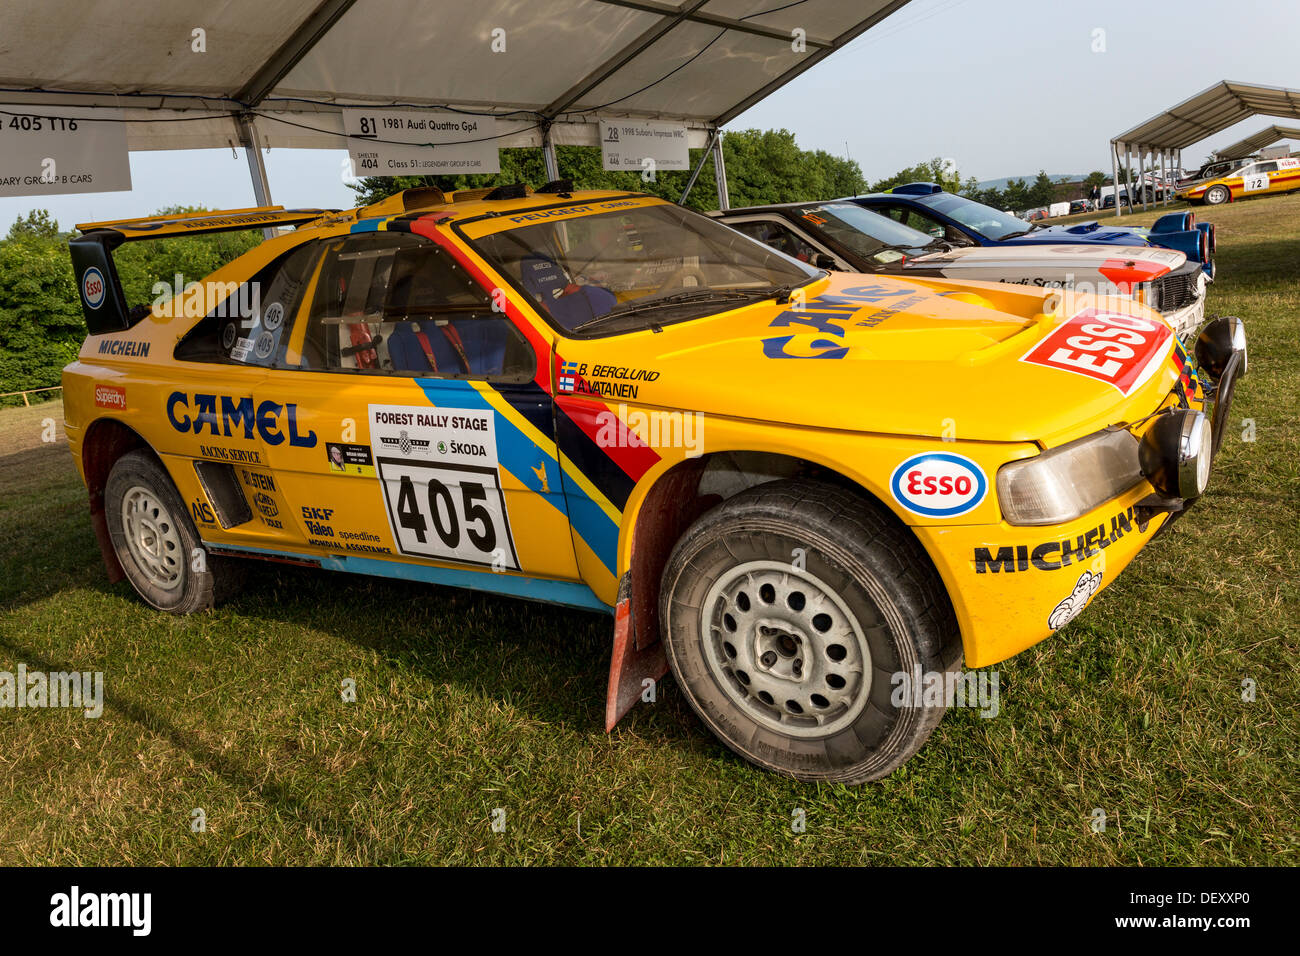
x=867, y=233
x=988, y=222
x=619, y=266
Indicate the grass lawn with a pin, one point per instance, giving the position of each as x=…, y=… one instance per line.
x=468, y=703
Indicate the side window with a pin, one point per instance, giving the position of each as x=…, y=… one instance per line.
x=251, y=320
x=779, y=237
x=394, y=303
x=1265, y=168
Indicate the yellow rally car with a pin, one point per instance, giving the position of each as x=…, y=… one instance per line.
x=787, y=486
x=1259, y=178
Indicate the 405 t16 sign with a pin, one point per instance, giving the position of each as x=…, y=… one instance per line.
x=47, y=152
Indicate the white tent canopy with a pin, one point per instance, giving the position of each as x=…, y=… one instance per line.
x=1253, y=144
x=287, y=66
x=1225, y=104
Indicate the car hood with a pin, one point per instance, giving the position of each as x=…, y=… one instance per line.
x=1091, y=231
x=1051, y=260
x=878, y=354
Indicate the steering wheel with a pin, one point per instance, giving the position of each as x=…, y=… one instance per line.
x=678, y=279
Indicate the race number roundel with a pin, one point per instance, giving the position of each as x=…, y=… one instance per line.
x=92, y=287
x=938, y=484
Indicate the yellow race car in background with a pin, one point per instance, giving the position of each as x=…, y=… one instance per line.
x=787, y=486
x=1260, y=178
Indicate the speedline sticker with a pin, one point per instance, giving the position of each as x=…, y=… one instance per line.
x=439, y=474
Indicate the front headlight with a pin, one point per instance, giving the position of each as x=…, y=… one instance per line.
x=1061, y=484
x=1176, y=452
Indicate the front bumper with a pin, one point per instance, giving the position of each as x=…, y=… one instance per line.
x=1012, y=586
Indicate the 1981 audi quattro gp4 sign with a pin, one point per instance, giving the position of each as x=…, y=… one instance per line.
x=441, y=485
x=551, y=395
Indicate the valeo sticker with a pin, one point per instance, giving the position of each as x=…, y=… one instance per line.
x=939, y=484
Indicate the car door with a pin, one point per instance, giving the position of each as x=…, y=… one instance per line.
x=413, y=426
x=1257, y=177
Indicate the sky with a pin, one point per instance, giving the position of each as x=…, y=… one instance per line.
x=1000, y=87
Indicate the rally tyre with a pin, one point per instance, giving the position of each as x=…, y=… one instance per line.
x=1217, y=195
x=155, y=540
x=786, y=611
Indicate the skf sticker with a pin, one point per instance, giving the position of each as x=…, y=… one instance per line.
x=110, y=396
x=939, y=484
x=1074, y=603
x=1111, y=347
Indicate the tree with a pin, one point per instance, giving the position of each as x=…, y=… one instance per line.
x=1096, y=178
x=1043, y=191
x=1016, y=195
x=936, y=170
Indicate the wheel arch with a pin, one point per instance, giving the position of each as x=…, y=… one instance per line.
x=106, y=440
x=660, y=511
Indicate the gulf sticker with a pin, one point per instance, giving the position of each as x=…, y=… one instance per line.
x=939, y=484
x=1112, y=347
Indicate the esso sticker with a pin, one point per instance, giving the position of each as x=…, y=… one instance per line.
x=939, y=484
x=1112, y=347
x=92, y=287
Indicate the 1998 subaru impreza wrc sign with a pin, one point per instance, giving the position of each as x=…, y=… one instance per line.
x=606, y=401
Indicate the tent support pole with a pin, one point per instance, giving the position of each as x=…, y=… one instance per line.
x=256, y=165
x=1114, y=173
x=1128, y=176
x=720, y=173
x=695, y=173
x=548, y=156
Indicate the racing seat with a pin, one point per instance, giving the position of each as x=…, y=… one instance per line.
x=455, y=347
x=570, y=304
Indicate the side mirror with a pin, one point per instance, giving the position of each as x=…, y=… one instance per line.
x=823, y=261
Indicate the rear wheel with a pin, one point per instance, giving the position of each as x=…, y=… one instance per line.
x=1217, y=195
x=155, y=541
x=787, y=612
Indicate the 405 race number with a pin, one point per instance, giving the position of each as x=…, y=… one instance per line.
x=448, y=512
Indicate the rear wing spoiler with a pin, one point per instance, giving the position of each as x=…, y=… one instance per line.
x=102, y=299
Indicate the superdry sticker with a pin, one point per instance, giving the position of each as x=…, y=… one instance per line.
x=1054, y=555
x=110, y=396
x=1111, y=347
x=1072, y=604
x=438, y=471
x=938, y=484
x=350, y=459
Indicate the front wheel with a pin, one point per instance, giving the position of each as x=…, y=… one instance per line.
x=155, y=541
x=788, y=611
x=1217, y=195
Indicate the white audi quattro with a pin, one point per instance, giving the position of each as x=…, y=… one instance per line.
x=846, y=237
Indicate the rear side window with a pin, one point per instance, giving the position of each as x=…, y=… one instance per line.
x=252, y=320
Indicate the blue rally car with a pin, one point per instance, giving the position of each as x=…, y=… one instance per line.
x=956, y=219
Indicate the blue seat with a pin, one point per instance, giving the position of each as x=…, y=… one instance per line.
x=543, y=278
x=484, y=341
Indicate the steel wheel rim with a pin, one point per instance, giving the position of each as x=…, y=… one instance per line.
x=786, y=649
x=152, y=538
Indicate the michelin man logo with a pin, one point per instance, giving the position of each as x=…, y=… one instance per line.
x=1074, y=603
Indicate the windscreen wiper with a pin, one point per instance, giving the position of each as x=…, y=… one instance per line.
x=679, y=298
